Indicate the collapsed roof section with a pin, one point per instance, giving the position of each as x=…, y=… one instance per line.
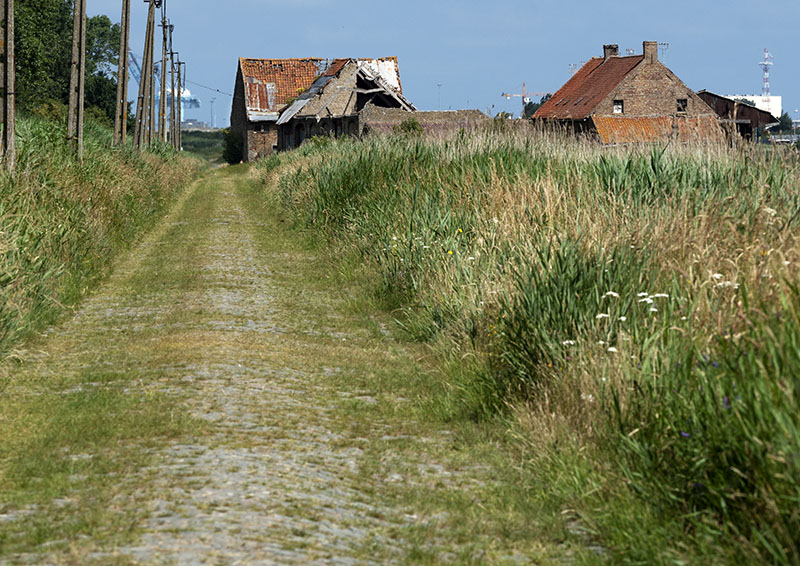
x=272, y=84
x=347, y=87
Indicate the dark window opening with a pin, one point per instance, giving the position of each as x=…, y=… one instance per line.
x=683, y=104
x=619, y=107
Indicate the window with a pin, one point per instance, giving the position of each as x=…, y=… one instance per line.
x=619, y=107
x=683, y=104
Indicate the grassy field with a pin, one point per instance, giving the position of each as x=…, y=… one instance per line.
x=62, y=222
x=206, y=145
x=630, y=315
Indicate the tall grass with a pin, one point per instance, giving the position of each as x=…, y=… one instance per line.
x=62, y=221
x=638, y=306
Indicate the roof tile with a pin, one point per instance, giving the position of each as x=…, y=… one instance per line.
x=270, y=83
x=580, y=95
x=621, y=130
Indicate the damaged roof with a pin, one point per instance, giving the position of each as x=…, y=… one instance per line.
x=335, y=91
x=580, y=95
x=623, y=130
x=269, y=84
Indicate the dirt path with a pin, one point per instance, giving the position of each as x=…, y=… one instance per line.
x=299, y=443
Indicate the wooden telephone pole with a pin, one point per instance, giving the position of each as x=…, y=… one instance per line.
x=181, y=79
x=145, y=118
x=173, y=110
x=77, y=78
x=162, y=104
x=7, y=94
x=121, y=118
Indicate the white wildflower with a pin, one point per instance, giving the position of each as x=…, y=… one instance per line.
x=653, y=309
x=568, y=343
x=602, y=315
x=647, y=300
x=787, y=263
x=600, y=342
x=612, y=349
x=643, y=294
x=471, y=258
x=394, y=237
x=587, y=397
x=623, y=318
x=726, y=284
x=717, y=276
x=660, y=296
x=684, y=318
x=611, y=294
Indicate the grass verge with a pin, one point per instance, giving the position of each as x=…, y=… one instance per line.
x=63, y=221
x=630, y=313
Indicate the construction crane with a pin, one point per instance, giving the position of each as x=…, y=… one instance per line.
x=136, y=69
x=187, y=99
x=526, y=96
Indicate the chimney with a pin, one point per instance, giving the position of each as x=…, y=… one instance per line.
x=610, y=50
x=650, y=50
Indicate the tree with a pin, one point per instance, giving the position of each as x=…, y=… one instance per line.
x=784, y=123
x=532, y=107
x=43, y=43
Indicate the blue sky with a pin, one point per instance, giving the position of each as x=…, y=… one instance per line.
x=476, y=50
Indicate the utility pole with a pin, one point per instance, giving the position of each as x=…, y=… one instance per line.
x=121, y=118
x=213, y=116
x=181, y=78
x=144, y=103
x=7, y=94
x=173, y=114
x=162, y=104
x=77, y=78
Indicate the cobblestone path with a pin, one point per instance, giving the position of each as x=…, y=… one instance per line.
x=297, y=455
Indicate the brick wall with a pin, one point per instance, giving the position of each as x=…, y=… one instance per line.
x=652, y=90
x=384, y=120
x=260, y=144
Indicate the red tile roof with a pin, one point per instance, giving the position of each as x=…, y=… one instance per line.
x=270, y=83
x=335, y=67
x=580, y=95
x=619, y=129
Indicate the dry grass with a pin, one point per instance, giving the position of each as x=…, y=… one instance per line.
x=503, y=248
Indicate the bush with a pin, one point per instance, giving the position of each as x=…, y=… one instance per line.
x=233, y=151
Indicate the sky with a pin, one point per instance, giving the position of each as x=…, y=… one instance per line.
x=464, y=54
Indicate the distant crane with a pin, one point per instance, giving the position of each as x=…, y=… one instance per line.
x=526, y=97
x=187, y=99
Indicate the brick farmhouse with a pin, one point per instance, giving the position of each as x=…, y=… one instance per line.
x=630, y=99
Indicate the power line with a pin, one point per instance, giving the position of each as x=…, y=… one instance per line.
x=208, y=87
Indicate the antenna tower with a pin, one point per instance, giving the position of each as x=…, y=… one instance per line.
x=765, y=65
